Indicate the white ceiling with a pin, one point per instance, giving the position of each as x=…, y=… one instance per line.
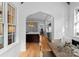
x=39, y=16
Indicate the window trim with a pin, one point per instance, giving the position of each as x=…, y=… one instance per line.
x=75, y=22
x=2, y=23
x=13, y=24
x=14, y=44
x=15, y=19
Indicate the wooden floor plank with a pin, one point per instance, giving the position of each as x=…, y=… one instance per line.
x=36, y=49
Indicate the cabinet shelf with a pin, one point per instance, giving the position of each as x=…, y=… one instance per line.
x=0, y=12
x=1, y=35
x=1, y=22
x=10, y=24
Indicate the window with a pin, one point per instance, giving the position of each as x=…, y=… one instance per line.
x=32, y=26
x=11, y=24
x=1, y=26
x=7, y=26
x=76, y=23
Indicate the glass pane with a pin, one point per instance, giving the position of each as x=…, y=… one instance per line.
x=77, y=26
x=14, y=37
x=78, y=16
x=77, y=29
x=1, y=36
x=11, y=34
x=11, y=28
x=11, y=25
x=1, y=27
x=9, y=38
x=0, y=12
x=11, y=14
x=1, y=41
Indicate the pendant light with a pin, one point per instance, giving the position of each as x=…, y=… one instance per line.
x=31, y=24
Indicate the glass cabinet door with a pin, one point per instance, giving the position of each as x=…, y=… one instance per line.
x=11, y=24
x=1, y=26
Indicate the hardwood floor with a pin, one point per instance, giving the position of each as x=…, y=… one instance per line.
x=36, y=49
x=44, y=43
x=45, y=49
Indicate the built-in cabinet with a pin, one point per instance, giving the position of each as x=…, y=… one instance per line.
x=7, y=24
x=1, y=26
x=11, y=23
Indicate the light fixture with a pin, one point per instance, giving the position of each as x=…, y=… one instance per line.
x=68, y=3
x=22, y=2
x=30, y=24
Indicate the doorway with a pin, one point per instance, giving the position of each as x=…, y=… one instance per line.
x=34, y=23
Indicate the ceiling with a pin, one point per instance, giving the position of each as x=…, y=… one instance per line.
x=39, y=16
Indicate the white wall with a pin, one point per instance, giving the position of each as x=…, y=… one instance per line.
x=65, y=30
x=58, y=10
